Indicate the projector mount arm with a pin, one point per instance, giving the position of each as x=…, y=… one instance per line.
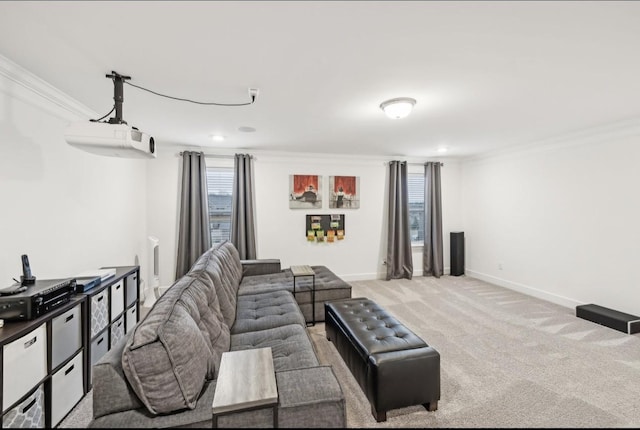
x=118, y=96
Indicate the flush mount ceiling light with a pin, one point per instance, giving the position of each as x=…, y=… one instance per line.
x=398, y=108
x=217, y=138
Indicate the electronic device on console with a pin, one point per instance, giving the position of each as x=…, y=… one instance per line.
x=27, y=277
x=37, y=299
x=84, y=283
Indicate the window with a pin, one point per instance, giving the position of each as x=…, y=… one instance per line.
x=220, y=191
x=415, y=182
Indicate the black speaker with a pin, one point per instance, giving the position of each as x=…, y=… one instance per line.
x=457, y=253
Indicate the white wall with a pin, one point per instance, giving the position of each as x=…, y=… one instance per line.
x=281, y=231
x=69, y=210
x=162, y=209
x=562, y=219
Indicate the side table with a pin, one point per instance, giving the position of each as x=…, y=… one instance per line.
x=298, y=272
x=246, y=381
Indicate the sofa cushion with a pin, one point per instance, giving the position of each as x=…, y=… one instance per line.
x=230, y=267
x=262, y=266
x=316, y=403
x=210, y=269
x=263, y=311
x=325, y=280
x=329, y=287
x=111, y=391
x=269, y=282
x=201, y=302
x=174, y=349
x=290, y=346
x=231, y=263
x=200, y=417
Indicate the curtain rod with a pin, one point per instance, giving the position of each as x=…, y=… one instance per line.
x=213, y=155
x=412, y=164
x=422, y=164
x=253, y=157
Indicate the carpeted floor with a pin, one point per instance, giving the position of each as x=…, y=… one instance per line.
x=507, y=360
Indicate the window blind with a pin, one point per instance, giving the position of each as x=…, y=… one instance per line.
x=220, y=193
x=415, y=188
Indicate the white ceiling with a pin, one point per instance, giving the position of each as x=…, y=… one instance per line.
x=485, y=75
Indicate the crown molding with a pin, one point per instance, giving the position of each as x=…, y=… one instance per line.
x=588, y=136
x=19, y=75
x=304, y=157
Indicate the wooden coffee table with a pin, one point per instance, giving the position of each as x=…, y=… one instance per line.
x=246, y=381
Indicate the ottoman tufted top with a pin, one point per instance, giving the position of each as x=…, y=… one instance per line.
x=371, y=327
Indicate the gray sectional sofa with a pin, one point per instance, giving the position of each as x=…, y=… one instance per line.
x=163, y=374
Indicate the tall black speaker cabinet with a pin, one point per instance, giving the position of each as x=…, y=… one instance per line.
x=457, y=253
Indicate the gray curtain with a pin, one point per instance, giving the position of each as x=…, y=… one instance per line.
x=432, y=254
x=399, y=259
x=194, y=237
x=243, y=234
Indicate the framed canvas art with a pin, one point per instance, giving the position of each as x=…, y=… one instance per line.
x=344, y=192
x=305, y=192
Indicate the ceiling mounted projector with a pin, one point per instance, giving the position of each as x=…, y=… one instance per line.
x=114, y=138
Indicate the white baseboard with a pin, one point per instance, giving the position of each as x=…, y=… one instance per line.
x=381, y=275
x=521, y=288
x=360, y=277
x=525, y=289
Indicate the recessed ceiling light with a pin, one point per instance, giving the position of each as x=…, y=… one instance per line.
x=442, y=149
x=217, y=138
x=246, y=129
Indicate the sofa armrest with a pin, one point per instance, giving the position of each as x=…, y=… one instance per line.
x=262, y=266
x=310, y=397
x=111, y=391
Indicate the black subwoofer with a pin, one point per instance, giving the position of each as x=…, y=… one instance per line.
x=457, y=253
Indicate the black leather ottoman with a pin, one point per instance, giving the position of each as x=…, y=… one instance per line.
x=394, y=367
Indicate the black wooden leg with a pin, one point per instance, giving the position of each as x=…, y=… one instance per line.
x=432, y=406
x=379, y=416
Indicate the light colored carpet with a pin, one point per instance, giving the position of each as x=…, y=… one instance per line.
x=507, y=360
